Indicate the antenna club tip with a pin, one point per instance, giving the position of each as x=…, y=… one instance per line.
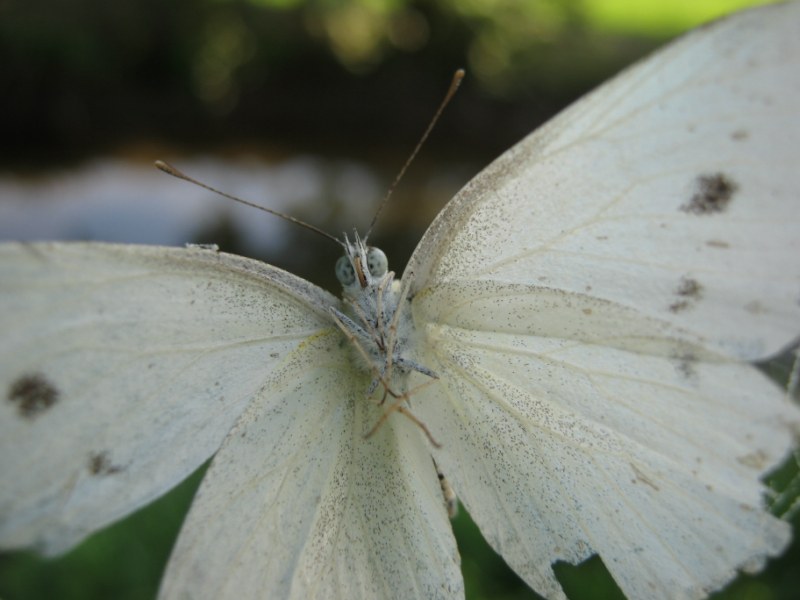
x=455, y=83
x=168, y=169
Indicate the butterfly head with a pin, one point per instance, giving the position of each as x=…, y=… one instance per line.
x=361, y=266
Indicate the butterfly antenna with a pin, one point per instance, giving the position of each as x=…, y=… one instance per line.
x=456, y=81
x=170, y=170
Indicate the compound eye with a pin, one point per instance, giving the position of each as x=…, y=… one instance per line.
x=377, y=263
x=345, y=272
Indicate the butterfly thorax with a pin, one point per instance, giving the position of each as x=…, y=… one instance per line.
x=376, y=320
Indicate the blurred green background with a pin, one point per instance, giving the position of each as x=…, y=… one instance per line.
x=343, y=82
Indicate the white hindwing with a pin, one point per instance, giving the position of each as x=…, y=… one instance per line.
x=587, y=300
x=298, y=504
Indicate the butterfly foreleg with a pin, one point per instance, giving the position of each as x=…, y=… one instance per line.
x=410, y=365
x=353, y=332
x=397, y=406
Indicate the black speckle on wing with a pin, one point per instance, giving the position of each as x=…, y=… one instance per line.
x=739, y=135
x=33, y=394
x=100, y=464
x=684, y=363
x=713, y=193
x=689, y=290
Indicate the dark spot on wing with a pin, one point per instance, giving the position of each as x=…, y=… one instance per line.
x=679, y=306
x=712, y=194
x=684, y=363
x=100, y=465
x=689, y=287
x=688, y=290
x=717, y=244
x=33, y=394
x=740, y=134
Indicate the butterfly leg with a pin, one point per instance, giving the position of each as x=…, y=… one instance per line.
x=450, y=498
x=397, y=406
x=353, y=332
x=410, y=365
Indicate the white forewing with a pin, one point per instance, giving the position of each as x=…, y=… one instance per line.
x=297, y=504
x=587, y=299
x=608, y=199
x=123, y=368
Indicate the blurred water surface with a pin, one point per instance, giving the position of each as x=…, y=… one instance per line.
x=130, y=201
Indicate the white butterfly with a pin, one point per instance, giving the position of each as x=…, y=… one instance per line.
x=573, y=329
